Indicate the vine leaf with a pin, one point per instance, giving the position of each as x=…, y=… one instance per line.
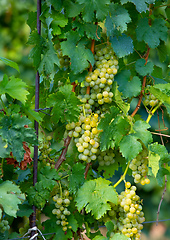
x=122, y=45
x=100, y=238
x=10, y=197
x=10, y=63
x=100, y=8
x=130, y=147
x=129, y=88
x=118, y=18
x=142, y=68
x=72, y=9
x=151, y=34
x=141, y=5
x=79, y=55
x=15, y=87
x=119, y=236
x=76, y=177
x=140, y=128
x=97, y=197
x=65, y=105
x=153, y=159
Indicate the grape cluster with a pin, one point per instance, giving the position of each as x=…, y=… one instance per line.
x=61, y=211
x=85, y=135
x=100, y=80
x=127, y=216
x=139, y=167
x=4, y=226
x=64, y=60
x=45, y=150
x=106, y=157
x=150, y=100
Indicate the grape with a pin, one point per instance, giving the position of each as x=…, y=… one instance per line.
x=127, y=216
x=4, y=226
x=150, y=100
x=61, y=211
x=139, y=167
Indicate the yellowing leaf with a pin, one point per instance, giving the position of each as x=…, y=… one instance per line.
x=153, y=159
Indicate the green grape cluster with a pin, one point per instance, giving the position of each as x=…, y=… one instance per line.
x=127, y=216
x=106, y=157
x=85, y=135
x=64, y=60
x=45, y=150
x=61, y=211
x=139, y=167
x=100, y=80
x=4, y=226
x=150, y=100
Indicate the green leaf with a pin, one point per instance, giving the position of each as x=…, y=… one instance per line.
x=76, y=177
x=15, y=87
x=160, y=91
x=140, y=128
x=4, y=151
x=129, y=87
x=141, y=5
x=97, y=197
x=100, y=238
x=118, y=18
x=122, y=46
x=59, y=20
x=110, y=228
x=72, y=9
x=49, y=59
x=151, y=34
x=106, y=136
x=124, y=107
x=80, y=56
x=119, y=236
x=10, y=63
x=56, y=4
x=10, y=197
x=32, y=20
x=24, y=210
x=153, y=159
x=39, y=43
x=108, y=171
x=65, y=105
x=142, y=68
x=130, y=147
x=100, y=8
x=49, y=173
x=72, y=222
x=161, y=176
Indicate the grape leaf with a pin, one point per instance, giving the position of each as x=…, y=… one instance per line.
x=158, y=149
x=130, y=147
x=4, y=153
x=108, y=171
x=80, y=56
x=160, y=91
x=100, y=8
x=124, y=107
x=140, y=128
x=49, y=59
x=99, y=238
x=65, y=105
x=110, y=228
x=72, y=9
x=161, y=176
x=142, y=68
x=98, y=194
x=39, y=43
x=122, y=45
x=151, y=34
x=141, y=5
x=76, y=177
x=129, y=87
x=10, y=197
x=117, y=18
x=153, y=159
x=72, y=222
x=15, y=87
x=119, y=236
x=10, y=63
x=106, y=136
x=24, y=210
x=32, y=20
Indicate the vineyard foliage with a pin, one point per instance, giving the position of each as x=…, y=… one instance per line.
x=94, y=59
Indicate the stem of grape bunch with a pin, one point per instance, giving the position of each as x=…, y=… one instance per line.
x=122, y=177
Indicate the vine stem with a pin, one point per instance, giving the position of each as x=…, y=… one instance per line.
x=152, y=112
x=122, y=177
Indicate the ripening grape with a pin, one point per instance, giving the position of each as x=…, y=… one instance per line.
x=127, y=215
x=106, y=157
x=4, y=226
x=61, y=211
x=139, y=167
x=150, y=100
